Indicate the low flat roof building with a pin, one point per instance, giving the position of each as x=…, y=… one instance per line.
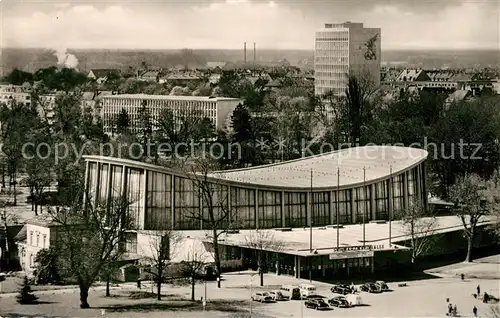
x=217, y=109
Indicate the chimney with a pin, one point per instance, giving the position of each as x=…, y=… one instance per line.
x=254, y=55
x=245, y=53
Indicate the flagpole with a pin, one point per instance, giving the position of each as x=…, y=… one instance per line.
x=337, y=203
x=366, y=199
x=391, y=189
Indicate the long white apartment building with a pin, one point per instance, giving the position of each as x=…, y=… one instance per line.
x=9, y=93
x=217, y=109
x=345, y=48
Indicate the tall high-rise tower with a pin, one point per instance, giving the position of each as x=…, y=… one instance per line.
x=342, y=49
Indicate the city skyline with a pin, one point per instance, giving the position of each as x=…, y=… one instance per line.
x=227, y=24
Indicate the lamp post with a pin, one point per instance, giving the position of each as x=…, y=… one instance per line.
x=251, y=293
x=365, y=207
x=205, y=295
x=337, y=205
x=310, y=228
x=391, y=189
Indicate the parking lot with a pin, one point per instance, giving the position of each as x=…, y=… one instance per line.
x=425, y=298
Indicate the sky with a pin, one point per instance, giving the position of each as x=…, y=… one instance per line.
x=226, y=24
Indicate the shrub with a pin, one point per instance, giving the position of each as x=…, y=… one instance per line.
x=25, y=294
x=231, y=265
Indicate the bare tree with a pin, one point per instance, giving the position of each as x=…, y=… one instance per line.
x=420, y=229
x=88, y=240
x=196, y=258
x=214, y=213
x=263, y=242
x=162, y=248
x=38, y=179
x=472, y=202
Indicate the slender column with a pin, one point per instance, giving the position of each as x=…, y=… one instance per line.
x=87, y=176
x=353, y=210
x=424, y=185
x=283, y=217
x=372, y=202
x=332, y=202
x=142, y=213
x=97, y=185
x=256, y=208
x=298, y=266
x=110, y=185
x=419, y=185
x=124, y=182
x=391, y=202
x=201, y=211
x=405, y=191
x=308, y=210
x=172, y=197
x=229, y=204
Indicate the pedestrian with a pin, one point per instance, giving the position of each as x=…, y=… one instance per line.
x=447, y=300
x=139, y=283
x=450, y=308
x=455, y=310
x=478, y=290
x=474, y=311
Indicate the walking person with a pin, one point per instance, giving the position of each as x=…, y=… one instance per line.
x=450, y=309
x=478, y=290
x=474, y=311
x=455, y=311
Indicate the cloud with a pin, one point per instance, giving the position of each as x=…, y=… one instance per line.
x=62, y=5
x=227, y=24
x=470, y=25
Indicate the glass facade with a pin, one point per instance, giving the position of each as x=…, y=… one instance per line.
x=381, y=200
x=295, y=209
x=187, y=205
x=243, y=205
x=362, y=203
x=344, y=204
x=320, y=208
x=135, y=195
x=269, y=215
x=160, y=200
x=397, y=194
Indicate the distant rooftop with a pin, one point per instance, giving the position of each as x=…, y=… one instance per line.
x=167, y=97
x=45, y=220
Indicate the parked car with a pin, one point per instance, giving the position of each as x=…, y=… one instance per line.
x=318, y=304
x=341, y=289
x=262, y=297
x=370, y=288
x=292, y=291
x=383, y=286
x=339, y=301
x=278, y=296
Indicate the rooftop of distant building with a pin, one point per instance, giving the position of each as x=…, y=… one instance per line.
x=168, y=97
